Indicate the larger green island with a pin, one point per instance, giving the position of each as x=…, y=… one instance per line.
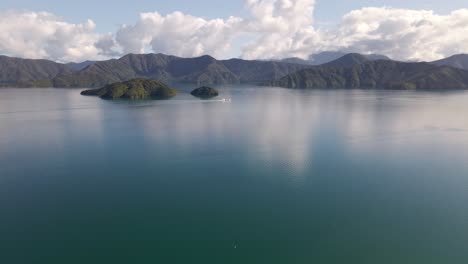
x=134, y=89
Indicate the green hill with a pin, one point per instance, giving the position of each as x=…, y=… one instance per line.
x=379, y=74
x=459, y=61
x=134, y=89
x=16, y=72
x=203, y=70
x=349, y=71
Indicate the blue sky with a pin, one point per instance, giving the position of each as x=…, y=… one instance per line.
x=252, y=29
x=108, y=15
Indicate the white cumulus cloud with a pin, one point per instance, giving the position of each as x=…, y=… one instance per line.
x=283, y=28
x=270, y=29
x=44, y=35
x=404, y=34
x=178, y=34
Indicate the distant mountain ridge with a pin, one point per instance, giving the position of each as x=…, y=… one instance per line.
x=166, y=68
x=354, y=71
x=348, y=60
x=28, y=72
x=330, y=56
x=78, y=66
x=201, y=70
x=349, y=71
x=459, y=61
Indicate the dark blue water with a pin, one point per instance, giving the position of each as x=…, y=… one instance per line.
x=275, y=176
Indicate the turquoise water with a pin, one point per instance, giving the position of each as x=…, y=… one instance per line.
x=274, y=176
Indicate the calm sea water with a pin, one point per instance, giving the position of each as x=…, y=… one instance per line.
x=275, y=176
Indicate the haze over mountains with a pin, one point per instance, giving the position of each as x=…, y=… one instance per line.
x=348, y=71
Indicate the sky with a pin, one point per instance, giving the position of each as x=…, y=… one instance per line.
x=251, y=29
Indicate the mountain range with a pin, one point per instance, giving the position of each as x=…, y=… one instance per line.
x=78, y=66
x=329, y=56
x=348, y=71
x=357, y=71
x=24, y=72
x=459, y=61
x=201, y=70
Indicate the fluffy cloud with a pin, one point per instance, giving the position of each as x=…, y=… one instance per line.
x=178, y=34
x=278, y=28
x=43, y=35
x=403, y=34
x=273, y=28
x=284, y=28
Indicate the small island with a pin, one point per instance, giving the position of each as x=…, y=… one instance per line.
x=205, y=92
x=134, y=89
